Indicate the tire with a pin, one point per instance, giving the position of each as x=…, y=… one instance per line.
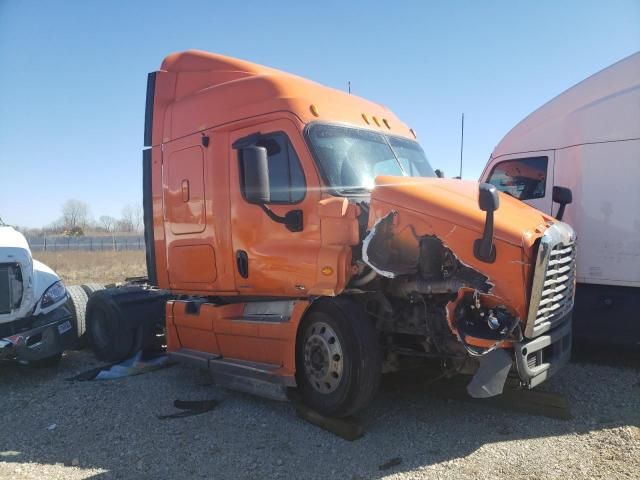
x=338, y=358
x=91, y=288
x=109, y=335
x=77, y=305
x=48, y=362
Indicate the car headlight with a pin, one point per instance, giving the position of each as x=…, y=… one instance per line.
x=53, y=294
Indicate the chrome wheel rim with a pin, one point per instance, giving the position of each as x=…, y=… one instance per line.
x=323, y=360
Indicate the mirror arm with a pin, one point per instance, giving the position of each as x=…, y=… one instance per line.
x=560, y=213
x=483, y=248
x=273, y=216
x=292, y=220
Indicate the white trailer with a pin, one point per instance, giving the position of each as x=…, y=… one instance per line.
x=588, y=139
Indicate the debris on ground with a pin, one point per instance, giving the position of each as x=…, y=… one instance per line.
x=347, y=428
x=394, y=462
x=190, y=407
x=136, y=365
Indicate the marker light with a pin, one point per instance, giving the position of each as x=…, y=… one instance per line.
x=314, y=110
x=413, y=133
x=327, y=271
x=365, y=118
x=386, y=122
x=376, y=121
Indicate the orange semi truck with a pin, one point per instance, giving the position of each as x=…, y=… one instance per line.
x=297, y=237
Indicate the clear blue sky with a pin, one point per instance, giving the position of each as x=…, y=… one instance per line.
x=73, y=75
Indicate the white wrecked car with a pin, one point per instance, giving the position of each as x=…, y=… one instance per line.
x=35, y=324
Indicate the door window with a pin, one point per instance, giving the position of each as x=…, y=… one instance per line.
x=522, y=178
x=286, y=180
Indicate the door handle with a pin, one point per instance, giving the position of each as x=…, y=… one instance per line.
x=185, y=190
x=242, y=261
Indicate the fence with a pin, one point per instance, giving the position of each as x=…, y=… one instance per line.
x=86, y=243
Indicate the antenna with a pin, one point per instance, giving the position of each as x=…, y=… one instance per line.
x=349, y=83
x=461, y=145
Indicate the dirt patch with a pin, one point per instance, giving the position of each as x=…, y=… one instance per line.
x=77, y=267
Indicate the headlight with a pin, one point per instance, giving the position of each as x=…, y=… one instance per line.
x=53, y=294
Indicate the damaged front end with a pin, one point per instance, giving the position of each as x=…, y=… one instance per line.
x=432, y=297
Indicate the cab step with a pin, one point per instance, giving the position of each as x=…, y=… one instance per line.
x=255, y=378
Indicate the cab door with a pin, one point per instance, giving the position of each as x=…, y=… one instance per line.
x=191, y=261
x=525, y=176
x=271, y=259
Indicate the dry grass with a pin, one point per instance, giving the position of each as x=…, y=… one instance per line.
x=77, y=267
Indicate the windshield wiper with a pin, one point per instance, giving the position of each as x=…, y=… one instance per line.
x=355, y=190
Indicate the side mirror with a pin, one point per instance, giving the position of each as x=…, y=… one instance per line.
x=488, y=201
x=439, y=173
x=254, y=165
x=562, y=196
x=255, y=174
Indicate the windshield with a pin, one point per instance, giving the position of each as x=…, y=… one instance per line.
x=351, y=158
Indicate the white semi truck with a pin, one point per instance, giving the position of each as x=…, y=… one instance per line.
x=587, y=139
x=36, y=319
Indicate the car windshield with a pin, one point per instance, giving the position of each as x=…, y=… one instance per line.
x=350, y=158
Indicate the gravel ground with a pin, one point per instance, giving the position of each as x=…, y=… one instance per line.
x=54, y=428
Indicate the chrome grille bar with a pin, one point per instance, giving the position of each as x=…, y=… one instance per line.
x=553, y=286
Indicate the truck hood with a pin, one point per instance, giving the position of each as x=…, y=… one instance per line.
x=11, y=238
x=36, y=276
x=456, y=201
x=14, y=249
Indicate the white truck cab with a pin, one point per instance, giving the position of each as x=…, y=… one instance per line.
x=35, y=324
x=588, y=139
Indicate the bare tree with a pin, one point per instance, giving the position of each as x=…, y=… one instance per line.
x=75, y=213
x=108, y=223
x=138, y=217
x=57, y=226
x=131, y=220
x=126, y=223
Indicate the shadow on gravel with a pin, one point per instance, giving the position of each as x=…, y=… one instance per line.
x=607, y=355
x=109, y=429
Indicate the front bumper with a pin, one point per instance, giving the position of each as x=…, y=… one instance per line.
x=39, y=336
x=539, y=358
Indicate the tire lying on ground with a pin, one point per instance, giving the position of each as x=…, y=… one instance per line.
x=338, y=358
x=77, y=305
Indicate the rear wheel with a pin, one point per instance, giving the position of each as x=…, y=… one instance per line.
x=110, y=337
x=338, y=359
x=77, y=305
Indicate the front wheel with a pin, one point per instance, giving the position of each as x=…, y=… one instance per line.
x=338, y=359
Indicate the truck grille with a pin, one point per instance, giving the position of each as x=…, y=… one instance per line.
x=10, y=287
x=553, y=286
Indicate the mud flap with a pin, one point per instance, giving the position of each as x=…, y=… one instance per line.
x=491, y=376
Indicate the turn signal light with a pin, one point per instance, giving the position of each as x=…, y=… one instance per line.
x=327, y=271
